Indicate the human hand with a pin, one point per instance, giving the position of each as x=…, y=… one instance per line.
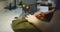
x=31, y=19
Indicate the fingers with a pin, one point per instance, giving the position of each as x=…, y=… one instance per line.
x=31, y=18
x=27, y=16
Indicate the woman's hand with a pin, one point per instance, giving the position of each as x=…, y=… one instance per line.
x=31, y=19
x=34, y=18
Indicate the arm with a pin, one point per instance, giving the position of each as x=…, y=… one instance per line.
x=39, y=24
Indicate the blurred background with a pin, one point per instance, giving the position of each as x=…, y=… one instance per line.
x=19, y=8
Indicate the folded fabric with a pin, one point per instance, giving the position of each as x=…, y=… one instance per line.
x=22, y=25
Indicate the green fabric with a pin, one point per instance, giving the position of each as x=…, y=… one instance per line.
x=21, y=25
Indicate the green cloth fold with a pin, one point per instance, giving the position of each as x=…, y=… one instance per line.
x=22, y=25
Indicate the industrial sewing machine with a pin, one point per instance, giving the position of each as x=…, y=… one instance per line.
x=22, y=25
